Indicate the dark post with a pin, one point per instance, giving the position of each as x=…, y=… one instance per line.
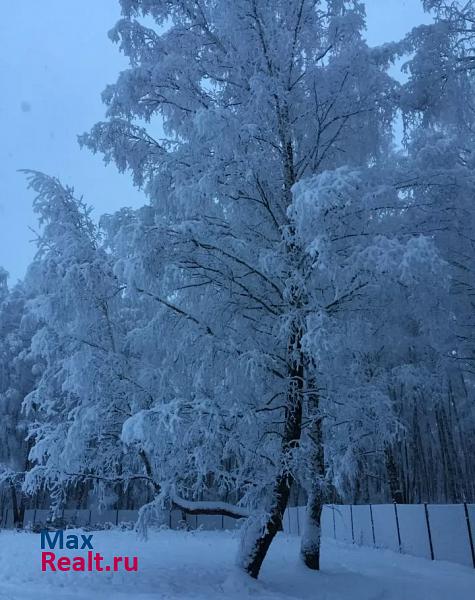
x=372, y=523
x=431, y=547
x=352, y=528
x=470, y=536
x=397, y=527
x=334, y=526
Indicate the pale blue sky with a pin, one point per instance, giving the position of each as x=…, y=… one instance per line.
x=56, y=59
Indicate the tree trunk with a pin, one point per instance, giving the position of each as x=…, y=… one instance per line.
x=257, y=540
x=393, y=479
x=17, y=517
x=310, y=545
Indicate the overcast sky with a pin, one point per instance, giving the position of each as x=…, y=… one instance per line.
x=56, y=59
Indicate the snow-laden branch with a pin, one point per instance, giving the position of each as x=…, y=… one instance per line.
x=203, y=326
x=210, y=508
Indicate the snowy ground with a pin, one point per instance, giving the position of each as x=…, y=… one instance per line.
x=176, y=565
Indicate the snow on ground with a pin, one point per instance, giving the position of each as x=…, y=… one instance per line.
x=176, y=565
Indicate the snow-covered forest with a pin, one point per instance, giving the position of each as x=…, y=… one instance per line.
x=289, y=318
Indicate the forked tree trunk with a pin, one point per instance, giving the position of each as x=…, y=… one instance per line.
x=253, y=555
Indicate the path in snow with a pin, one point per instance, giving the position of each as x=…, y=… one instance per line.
x=176, y=565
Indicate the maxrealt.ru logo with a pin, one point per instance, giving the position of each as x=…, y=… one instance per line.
x=88, y=561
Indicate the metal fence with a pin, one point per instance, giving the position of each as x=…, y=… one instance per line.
x=433, y=531
x=176, y=519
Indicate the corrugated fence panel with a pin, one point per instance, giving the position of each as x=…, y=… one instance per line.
x=471, y=516
x=385, y=530
x=8, y=522
x=42, y=516
x=450, y=533
x=327, y=521
x=210, y=522
x=230, y=523
x=191, y=521
x=176, y=519
x=294, y=522
x=302, y=515
x=362, y=525
x=70, y=516
x=106, y=516
x=413, y=529
x=29, y=517
x=83, y=517
x=128, y=516
x=343, y=523
x=286, y=521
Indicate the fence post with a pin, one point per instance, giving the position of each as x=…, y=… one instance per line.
x=334, y=526
x=372, y=523
x=352, y=528
x=34, y=517
x=431, y=547
x=470, y=536
x=116, y=517
x=298, y=521
x=397, y=527
x=90, y=516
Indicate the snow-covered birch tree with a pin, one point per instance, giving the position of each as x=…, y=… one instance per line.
x=246, y=330
x=253, y=97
